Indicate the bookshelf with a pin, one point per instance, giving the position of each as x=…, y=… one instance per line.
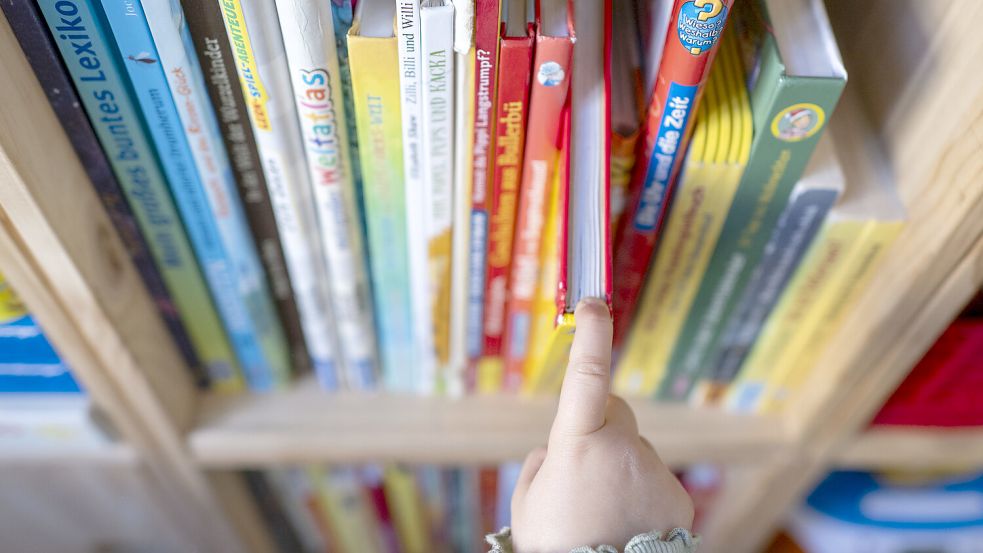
x=921, y=90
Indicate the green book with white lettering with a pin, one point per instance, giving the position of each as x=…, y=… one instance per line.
x=796, y=76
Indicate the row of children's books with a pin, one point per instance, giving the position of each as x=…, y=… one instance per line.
x=397, y=508
x=414, y=195
x=374, y=508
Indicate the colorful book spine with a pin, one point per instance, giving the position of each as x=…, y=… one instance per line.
x=511, y=113
x=254, y=34
x=411, y=110
x=295, y=490
x=714, y=164
x=456, y=370
x=690, y=46
x=101, y=86
x=437, y=38
x=433, y=494
x=204, y=20
x=789, y=112
x=374, y=63
x=199, y=181
x=797, y=227
x=29, y=28
x=343, y=16
x=308, y=32
x=486, y=29
x=547, y=97
x=348, y=507
x=406, y=507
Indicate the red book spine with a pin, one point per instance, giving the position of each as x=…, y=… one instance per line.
x=691, y=43
x=563, y=226
x=485, y=71
x=514, y=67
x=549, y=91
x=488, y=499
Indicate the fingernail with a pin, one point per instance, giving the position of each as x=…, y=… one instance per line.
x=593, y=306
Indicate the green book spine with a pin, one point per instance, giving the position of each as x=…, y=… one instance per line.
x=790, y=115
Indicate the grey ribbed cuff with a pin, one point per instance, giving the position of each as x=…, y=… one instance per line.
x=677, y=540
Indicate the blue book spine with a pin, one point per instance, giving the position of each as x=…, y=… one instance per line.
x=81, y=38
x=142, y=63
x=187, y=81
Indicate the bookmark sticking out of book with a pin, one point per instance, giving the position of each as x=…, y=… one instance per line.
x=585, y=251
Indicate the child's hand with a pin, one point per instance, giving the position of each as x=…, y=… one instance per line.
x=598, y=482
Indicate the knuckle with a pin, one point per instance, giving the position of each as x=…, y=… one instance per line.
x=591, y=367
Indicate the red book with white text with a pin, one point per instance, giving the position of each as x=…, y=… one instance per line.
x=549, y=93
x=690, y=45
x=512, y=108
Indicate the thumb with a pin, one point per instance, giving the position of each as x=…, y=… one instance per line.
x=587, y=383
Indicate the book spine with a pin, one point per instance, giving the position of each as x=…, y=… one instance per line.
x=294, y=488
x=437, y=37
x=830, y=312
x=512, y=110
x=548, y=94
x=486, y=29
x=406, y=508
x=111, y=107
x=411, y=111
x=794, y=233
x=826, y=258
x=39, y=48
x=433, y=495
x=143, y=64
x=690, y=46
x=374, y=63
x=773, y=168
x=508, y=477
x=254, y=35
x=273, y=511
x=308, y=32
x=455, y=375
x=204, y=20
x=187, y=84
x=347, y=506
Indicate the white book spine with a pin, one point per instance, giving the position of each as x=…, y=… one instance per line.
x=437, y=39
x=410, y=82
x=460, y=246
x=262, y=67
x=312, y=57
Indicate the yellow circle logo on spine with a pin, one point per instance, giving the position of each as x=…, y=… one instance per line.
x=798, y=122
x=11, y=307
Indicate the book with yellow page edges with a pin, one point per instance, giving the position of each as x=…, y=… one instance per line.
x=717, y=156
x=837, y=268
x=583, y=222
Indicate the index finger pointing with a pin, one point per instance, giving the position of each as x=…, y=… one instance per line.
x=587, y=383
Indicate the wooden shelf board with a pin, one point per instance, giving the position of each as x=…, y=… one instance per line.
x=306, y=425
x=914, y=448
x=108, y=454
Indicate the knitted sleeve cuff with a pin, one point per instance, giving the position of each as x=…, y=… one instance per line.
x=676, y=540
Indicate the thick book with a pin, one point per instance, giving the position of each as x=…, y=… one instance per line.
x=438, y=150
x=799, y=78
x=585, y=179
x=548, y=95
x=821, y=185
x=169, y=92
x=254, y=34
x=41, y=52
x=411, y=113
x=406, y=508
x=866, y=223
x=511, y=112
x=691, y=43
x=102, y=88
x=372, y=47
x=712, y=170
x=486, y=34
x=204, y=20
x=312, y=57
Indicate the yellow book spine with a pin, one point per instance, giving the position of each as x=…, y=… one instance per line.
x=406, y=509
x=877, y=237
x=351, y=518
x=556, y=354
x=788, y=323
x=544, y=307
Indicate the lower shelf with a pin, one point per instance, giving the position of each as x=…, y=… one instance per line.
x=307, y=425
x=914, y=448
